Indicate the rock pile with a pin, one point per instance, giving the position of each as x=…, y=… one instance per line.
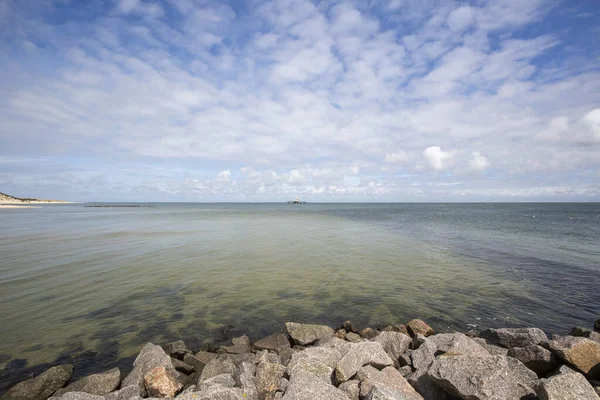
x=314, y=362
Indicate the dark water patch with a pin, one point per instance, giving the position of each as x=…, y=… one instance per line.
x=5, y=357
x=178, y=316
x=35, y=347
x=290, y=295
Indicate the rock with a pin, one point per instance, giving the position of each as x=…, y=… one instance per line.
x=379, y=392
x=205, y=357
x=360, y=354
x=42, y=386
x=312, y=366
x=245, y=380
x=237, y=359
x=268, y=377
x=224, y=380
x=514, y=337
x=98, y=384
x=483, y=378
x=389, y=378
x=285, y=355
x=334, y=343
x=217, y=367
x=181, y=366
x=394, y=344
x=423, y=356
x=304, y=334
x=340, y=334
x=196, y=363
x=564, y=369
x=581, y=331
x=283, y=384
x=77, y=396
x=124, y=393
x=597, y=325
x=418, y=326
x=368, y=333
x=243, y=340
x=581, y=353
x=491, y=348
x=275, y=342
x=265, y=356
x=235, y=349
x=216, y=392
x=306, y=386
x=536, y=358
x=176, y=349
x=160, y=382
x=457, y=344
x=566, y=387
x=405, y=358
x=349, y=327
x=425, y=386
x=407, y=369
x=150, y=357
x=353, y=337
x=351, y=388
x=327, y=356
x=418, y=340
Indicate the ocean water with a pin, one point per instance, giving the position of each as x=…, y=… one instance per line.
x=92, y=285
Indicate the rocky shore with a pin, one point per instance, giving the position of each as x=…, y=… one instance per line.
x=313, y=362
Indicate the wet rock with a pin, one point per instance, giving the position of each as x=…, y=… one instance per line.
x=394, y=344
x=457, y=344
x=581, y=331
x=98, y=384
x=581, y=353
x=536, y=358
x=182, y=367
x=245, y=380
x=483, y=378
x=597, y=325
x=176, y=349
x=491, y=348
x=268, y=377
x=360, y=354
x=42, y=386
x=389, y=378
x=351, y=388
x=368, y=333
x=124, y=393
x=417, y=326
x=160, y=382
x=566, y=387
x=150, y=357
x=349, y=327
x=353, y=337
x=275, y=342
x=514, y=337
x=304, y=334
x=217, y=367
x=306, y=386
x=224, y=380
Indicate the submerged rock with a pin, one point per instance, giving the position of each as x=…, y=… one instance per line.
x=304, y=334
x=566, y=387
x=536, y=358
x=360, y=354
x=514, y=337
x=42, y=386
x=581, y=353
x=99, y=384
x=483, y=378
x=417, y=326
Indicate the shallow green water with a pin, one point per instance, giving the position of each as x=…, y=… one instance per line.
x=110, y=279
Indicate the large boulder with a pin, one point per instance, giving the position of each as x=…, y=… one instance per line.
x=491, y=348
x=483, y=378
x=536, y=358
x=394, y=344
x=42, y=386
x=215, y=392
x=457, y=344
x=125, y=393
x=244, y=379
x=425, y=386
x=99, y=384
x=217, y=367
x=514, y=337
x=566, y=387
x=423, y=356
x=351, y=388
x=160, y=382
x=319, y=361
x=389, y=378
x=275, y=342
x=379, y=392
x=581, y=353
x=304, y=334
x=334, y=343
x=597, y=325
x=150, y=357
x=360, y=354
x=224, y=380
x=268, y=377
x=306, y=386
x=417, y=326
x=77, y=396
x=176, y=349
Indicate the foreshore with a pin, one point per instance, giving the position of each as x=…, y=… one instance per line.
x=315, y=362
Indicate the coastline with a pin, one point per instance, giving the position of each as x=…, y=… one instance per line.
x=305, y=361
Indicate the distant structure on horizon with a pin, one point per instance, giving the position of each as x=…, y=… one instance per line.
x=296, y=201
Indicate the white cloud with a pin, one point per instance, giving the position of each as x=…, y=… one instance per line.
x=437, y=159
x=478, y=162
x=461, y=19
x=224, y=176
x=397, y=157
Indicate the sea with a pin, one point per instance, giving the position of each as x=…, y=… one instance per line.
x=91, y=285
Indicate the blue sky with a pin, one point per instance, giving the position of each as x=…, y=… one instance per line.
x=391, y=100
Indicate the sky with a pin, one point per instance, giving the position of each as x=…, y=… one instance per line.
x=379, y=100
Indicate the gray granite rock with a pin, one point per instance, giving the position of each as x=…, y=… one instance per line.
x=244, y=379
x=417, y=341
x=417, y=326
x=457, y=344
x=268, y=377
x=217, y=367
x=388, y=378
x=394, y=344
x=304, y=334
x=483, y=378
x=353, y=337
x=312, y=366
x=581, y=353
x=196, y=363
x=360, y=354
x=216, y=392
x=423, y=356
x=425, y=386
x=42, y=386
x=379, y=392
x=205, y=356
x=225, y=380
x=182, y=366
x=266, y=356
x=125, y=393
x=99, y=384
x=150, y=357
x=306, y=386
x=566, y=387
x=334, y=343
x=327, y=356
x=491, y=348
x=348, y=326
x=368, y=333
x=176, y=349
x=514, y=337
x=407, y=369
x=351, y=388
x=275, y=342
x=77, y=396
x=536, y=358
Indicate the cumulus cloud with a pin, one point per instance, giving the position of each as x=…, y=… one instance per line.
x=437, y=159
x=478, y=162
